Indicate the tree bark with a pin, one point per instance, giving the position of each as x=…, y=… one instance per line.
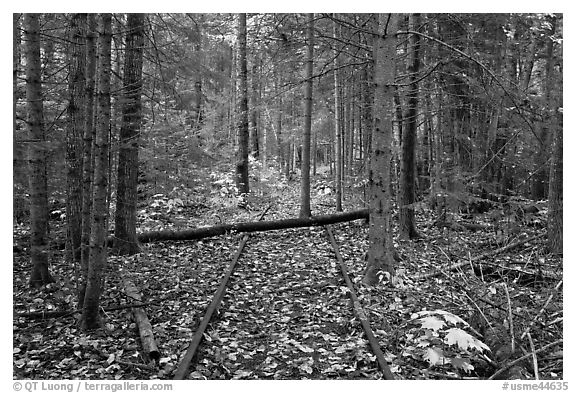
x=199, y=113
x=95, y=280
x=555, y=193
x=337, y=123
x=540, y=181
x=380, y=252
x=126, y=192
x=278, y=122
x=88, y=156
x=76, y=107
x=408, y=162
x=366, y=118
x=15, y=72
x=254, y=137
x=305, y=167
x=200, y=233
x=36, y=155
x=530, y=58
x=242, y=127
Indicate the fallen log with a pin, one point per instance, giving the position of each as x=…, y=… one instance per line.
x=217, y=230
x=144, y=326
x=200, y=233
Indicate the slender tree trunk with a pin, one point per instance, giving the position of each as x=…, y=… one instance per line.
x=350, y=127
x=408, y=162
x=95, y=281
x=380, y=252
x=367, y=120
x=530, y=58
x=16, y=148
x=279, y=135
x=76, y=107
x=36, y=155
x=266, y=126
x=438, y=187
x=337, y=123
x=126, y=192
x=539, y=179
x=88, y=157
x=289, y=161
x=199, y=113
x=242, y=128
x=305, y=167
x=232, y=106
x=118, y=27
x=314, y=152
x=254, y=145
x=15, y=69
x=555, y=194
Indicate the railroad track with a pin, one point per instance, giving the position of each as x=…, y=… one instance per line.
x=283, y=312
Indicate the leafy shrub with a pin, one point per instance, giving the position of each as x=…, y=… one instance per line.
x=438, y=338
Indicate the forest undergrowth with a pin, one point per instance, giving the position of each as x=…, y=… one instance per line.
x=286, y=314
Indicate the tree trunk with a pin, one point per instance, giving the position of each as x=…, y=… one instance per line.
x=279, y=137
x=540, y=180
x=555, y=194
x=232, y=106
x=126, y=192
x=530, y=58
x=305, y=168
x=200, y=233
x=254, y=145
x=380, y=252
x=337, y=123
x=553, y=88
x=199, y=113
x=349, y=158
x=95, y=281
x=76, y=107
x=408, y=162
x=36, y=156
x=367, y=120
x=314, y=154
x=242, y=127
x=88, y=156
x=15, y=73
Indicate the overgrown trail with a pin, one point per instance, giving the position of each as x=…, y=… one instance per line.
x=286, y=315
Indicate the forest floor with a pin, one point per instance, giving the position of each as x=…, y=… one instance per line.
x=286, y=313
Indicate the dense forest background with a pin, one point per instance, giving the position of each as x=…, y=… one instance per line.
x=131, y=128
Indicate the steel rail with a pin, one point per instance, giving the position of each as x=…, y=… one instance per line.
x=360, y=311
x=184, y=365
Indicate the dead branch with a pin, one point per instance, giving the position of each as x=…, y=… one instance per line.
x=542, y=309
x=65, y=313
x=479, y=257
x=520, y=359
